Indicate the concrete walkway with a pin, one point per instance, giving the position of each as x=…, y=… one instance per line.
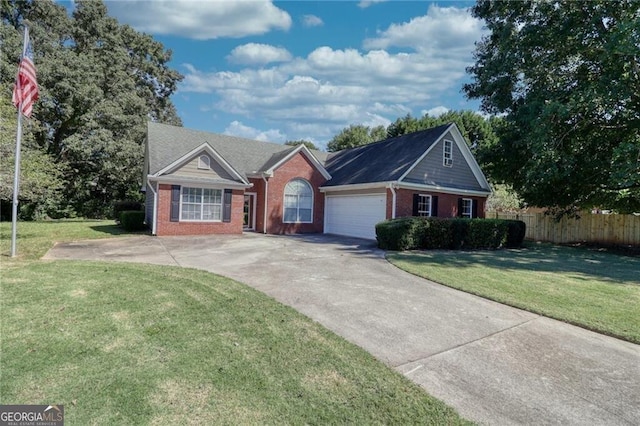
x=494, y=364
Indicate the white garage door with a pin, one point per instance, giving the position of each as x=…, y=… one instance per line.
x=354, y=215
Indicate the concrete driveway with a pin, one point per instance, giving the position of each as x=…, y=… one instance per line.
x=494, y=364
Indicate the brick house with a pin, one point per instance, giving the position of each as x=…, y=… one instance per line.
x=203, y=183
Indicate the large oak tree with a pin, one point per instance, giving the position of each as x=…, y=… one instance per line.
x=100, y=81
x=566, y=77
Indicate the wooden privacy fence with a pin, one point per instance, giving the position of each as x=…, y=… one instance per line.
x=593, y=228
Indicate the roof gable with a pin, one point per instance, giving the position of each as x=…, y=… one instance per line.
x=430, y=168
x=169, y=145
x=273, y=164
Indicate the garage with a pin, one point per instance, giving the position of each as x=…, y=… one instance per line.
x=354, y=215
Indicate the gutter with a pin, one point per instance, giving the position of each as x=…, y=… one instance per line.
x=444, y=190
x=266, y=198
x=393, y=201
x=154, y=219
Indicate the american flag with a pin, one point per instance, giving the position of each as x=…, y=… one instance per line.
x=25, y=93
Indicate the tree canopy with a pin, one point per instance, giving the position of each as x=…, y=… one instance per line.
x=356, y=135
x=566, y=77
x=99, y=81
x=308, y=144
x=477, y=130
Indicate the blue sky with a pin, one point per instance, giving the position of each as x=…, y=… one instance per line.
x=279, y=71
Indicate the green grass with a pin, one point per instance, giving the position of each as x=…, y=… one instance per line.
x=120, y=343
x=34, y=239
x=596, y=290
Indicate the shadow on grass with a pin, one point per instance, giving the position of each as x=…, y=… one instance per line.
x=608, y=267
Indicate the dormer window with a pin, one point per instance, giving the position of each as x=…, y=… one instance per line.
x=447, y=153
x=204, y=162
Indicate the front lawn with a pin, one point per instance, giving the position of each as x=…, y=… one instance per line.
x=120, y=343
x=36, y=238
x=592, y=289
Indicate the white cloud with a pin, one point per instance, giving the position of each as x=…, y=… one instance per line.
x=201, y=20
x=236, y=128
x=435, y=112
x=366, y=3
x=256, y=53
x=312, y=21
x=331, y=88
x=443, y=31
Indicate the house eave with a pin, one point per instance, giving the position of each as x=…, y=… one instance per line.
x=199, y=182
x=357, y=186
x=442, y=189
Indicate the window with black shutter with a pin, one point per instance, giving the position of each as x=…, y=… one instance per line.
x=226, y=211
x=175, y=203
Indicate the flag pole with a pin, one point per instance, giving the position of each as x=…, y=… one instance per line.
x=16, y=173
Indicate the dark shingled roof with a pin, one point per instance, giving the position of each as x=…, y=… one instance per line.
x=382, y=161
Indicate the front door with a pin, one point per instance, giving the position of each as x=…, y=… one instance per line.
x=249, y=223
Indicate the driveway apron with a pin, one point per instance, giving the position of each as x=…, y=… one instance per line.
x=493, y=363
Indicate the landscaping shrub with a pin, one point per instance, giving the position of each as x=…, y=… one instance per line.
x=132, y=220
x=486, y=234
x=126, y=205
x=436, y=234
x=408, y=233
x=516, y=230
x=398, y=234
x=459, y=230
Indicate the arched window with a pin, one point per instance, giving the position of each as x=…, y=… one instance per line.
x=298, y=202
x=204, y=162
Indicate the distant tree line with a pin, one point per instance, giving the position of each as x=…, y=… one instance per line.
x=99, y=82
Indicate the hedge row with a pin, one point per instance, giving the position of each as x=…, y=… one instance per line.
x=132, y=220
x=126, y=205
x=410, y=233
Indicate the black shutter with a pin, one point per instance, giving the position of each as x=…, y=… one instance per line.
x=434, y=206
x=416, y=200
x=175, y=203
x=459, y=207
x=474, y=208
x=226, y=210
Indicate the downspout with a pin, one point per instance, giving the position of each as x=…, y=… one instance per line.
x=155, y=208
x=266, y=197
x=393, y=201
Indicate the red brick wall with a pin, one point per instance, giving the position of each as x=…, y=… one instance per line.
x=447, y=203
x=296, y=167
x=166, y=227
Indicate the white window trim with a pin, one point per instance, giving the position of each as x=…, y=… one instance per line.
x=202, y=205
x=447, y=161
x=284, y=193
x=204, y=162
x=423, y=211
x=470, y=200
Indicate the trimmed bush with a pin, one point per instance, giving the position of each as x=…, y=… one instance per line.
x=398, y=234
x=486, y=234
x=127, y=205
x=516, y=230
x=132, y=220
x=408, y=233
x=436, y=234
